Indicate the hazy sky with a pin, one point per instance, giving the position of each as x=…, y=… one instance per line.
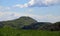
x=41, y=10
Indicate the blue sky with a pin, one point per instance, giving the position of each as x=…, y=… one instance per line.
x=41, y=10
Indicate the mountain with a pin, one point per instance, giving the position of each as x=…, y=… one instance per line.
x=52, y=27
x=44, y=26
x=36, y=25
x=24, y=20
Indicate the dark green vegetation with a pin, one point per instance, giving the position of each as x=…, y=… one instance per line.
x=8, y=31
x=52, y=27
x=36, y=25
x=26, y=26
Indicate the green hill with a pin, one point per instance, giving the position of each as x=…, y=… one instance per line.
x=52, y=27
x=25, y=22
x=7, y=30
x=20, y=22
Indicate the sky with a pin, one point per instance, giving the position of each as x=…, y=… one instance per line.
x=40, y=10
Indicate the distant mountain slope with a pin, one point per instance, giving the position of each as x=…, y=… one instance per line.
x=44, y=26
x=52, y=27
x=36, y=25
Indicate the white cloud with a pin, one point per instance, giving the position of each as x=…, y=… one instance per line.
x=48, y=18
x=2, y=8
x=39, y=3
x=19, y=5
x=8, y=16
x=4, y=16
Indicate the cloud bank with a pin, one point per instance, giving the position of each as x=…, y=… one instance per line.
x=4, y=16
x=39, y=3
x=2, y=8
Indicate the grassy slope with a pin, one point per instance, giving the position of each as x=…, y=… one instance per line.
x=8, y=31
x=24, y=20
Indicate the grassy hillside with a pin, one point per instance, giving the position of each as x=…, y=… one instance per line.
x=7, y=28
x=8, y=31
x=22, y=20
x=18, y=23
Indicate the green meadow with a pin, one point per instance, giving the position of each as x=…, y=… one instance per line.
x=8, y=31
